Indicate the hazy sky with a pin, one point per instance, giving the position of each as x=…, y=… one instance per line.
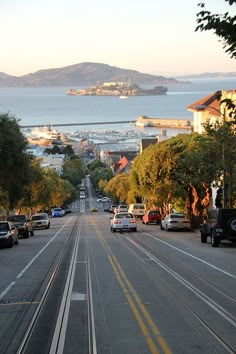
x=151, y=36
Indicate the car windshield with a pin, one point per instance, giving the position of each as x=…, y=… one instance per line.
x=57, y=209
x=39, y=217
x=4, y=226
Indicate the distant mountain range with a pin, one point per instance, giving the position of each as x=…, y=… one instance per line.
x=84, y=74
x=208, y=75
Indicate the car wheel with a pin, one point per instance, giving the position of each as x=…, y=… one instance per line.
x=135, y=230
x=10, y=242
x=214, y=242
x=232, y=224
x=203, y=237
x=161, y=227
x=26, y=234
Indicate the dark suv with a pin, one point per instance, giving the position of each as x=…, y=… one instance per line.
x=23, y=224
x=219, y=225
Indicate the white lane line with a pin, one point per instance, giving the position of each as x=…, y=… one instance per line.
x=192, y=256
x=58, y=341
x=5, y=291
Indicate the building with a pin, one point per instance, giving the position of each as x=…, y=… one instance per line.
x=210, y=109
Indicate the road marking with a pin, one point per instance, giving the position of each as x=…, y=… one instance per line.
x=78, y=297
x=5, y=291
x=128, y=290
x=192, y=256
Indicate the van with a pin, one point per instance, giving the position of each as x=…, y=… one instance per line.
x=137, y=209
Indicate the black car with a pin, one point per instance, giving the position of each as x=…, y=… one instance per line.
x=23, y=224
x=219, y=225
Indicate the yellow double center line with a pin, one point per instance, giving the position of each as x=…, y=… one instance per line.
x=149, y=329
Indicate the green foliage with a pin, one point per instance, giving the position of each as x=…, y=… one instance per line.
x=73, y=170
x=14, y=161
x=95, y=164
x=180, y=167
x=118, y=187
x=66, y=150
x=224, y=26
x=100, y=173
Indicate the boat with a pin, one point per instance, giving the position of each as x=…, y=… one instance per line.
x=123, y=97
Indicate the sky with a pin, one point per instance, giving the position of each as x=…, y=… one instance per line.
x=150, y=36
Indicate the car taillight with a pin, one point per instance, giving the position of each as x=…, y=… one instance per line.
x=116, y=221
x=132, y=221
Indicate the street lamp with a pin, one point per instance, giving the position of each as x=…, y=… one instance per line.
x=201, y=107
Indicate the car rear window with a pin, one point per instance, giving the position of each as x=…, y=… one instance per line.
x=177, y=216
x=15, y=218
x=124, y=215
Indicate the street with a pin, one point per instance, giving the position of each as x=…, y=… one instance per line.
x=79, y=288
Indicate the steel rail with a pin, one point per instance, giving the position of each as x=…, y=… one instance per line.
x=29, y=331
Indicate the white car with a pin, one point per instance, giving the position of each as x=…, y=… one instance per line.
x=175, y=221
x=40, y=221
x=123, y=221
x=103, y=200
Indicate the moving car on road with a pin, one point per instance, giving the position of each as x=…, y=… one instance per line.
x=8, y=234
x=123, y=221
x=175, y=221
x=41, y=221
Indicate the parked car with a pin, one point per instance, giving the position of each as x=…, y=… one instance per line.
x=175, y=221
x=66, y=209
x=57, y=212
x=122, y=207
x=151, y=217
x=103, y=200
x=123, y=221
x=219, y=225
x=8, y=234
x=112, y=208
x=41, y=221
x=137, y=209
x=23, y=224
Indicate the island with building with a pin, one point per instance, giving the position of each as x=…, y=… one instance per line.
x=119, y=89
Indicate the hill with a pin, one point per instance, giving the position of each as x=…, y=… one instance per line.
x=83, y=74
x=208, y=75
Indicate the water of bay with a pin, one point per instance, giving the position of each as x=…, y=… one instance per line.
x=51, y=105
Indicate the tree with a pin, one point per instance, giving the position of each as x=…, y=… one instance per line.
x=224, y=26
x=73, y=170
x=185, y=164
x=95, y=164
x=14, y=161
x=118, y=187
x=223, y=133
x=100, y=174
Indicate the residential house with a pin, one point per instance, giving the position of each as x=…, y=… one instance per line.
x=122, y=166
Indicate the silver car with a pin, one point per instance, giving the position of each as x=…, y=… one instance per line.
x=175, y=221
x=41, y=221
x=123, y=221
x=8, y=234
